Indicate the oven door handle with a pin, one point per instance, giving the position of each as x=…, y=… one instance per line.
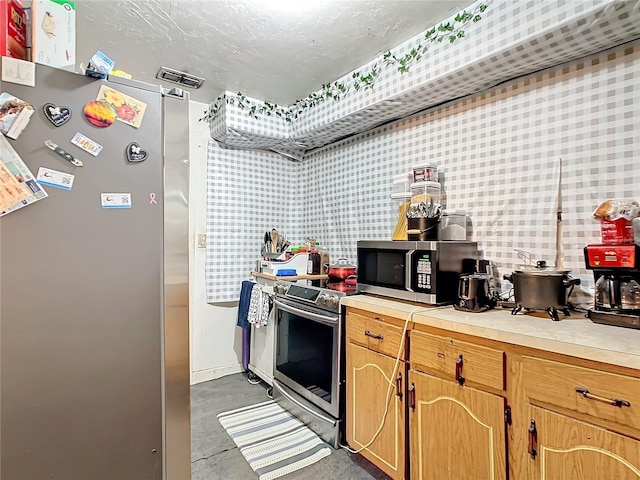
x=305, y=313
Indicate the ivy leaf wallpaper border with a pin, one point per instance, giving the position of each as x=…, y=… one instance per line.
x=451, y=31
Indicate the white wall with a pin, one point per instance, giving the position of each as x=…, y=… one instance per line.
x=215, y=341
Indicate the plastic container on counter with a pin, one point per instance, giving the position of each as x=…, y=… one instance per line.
x=425, y=172
x=399, y=206
x=402, y=182
x=424, y=191
x=453, y=225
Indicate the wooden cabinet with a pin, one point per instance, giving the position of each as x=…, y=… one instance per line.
x=591, y=433
x=486, y=409
x=603, y=396
x=370, y=375
x=456, y=432
x=460, y=361
x=565, y=448
x=375, y=333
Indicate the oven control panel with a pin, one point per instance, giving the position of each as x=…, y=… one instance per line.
x=322, y=298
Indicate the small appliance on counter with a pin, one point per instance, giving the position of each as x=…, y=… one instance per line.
x=616, y=271
x=542, y=287
x=476, y=292
x=426, y=272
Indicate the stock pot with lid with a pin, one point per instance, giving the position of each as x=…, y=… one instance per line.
x=341, y=270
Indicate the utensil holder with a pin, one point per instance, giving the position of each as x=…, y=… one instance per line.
x=422, y=228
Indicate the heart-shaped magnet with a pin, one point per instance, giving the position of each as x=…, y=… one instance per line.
x=56, y=115
x=135, y=153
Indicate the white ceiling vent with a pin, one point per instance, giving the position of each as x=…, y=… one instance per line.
x=183, y=78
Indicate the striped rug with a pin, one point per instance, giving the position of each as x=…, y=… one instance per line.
x=273, y=441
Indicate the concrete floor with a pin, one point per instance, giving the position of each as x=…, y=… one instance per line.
x=214, y=455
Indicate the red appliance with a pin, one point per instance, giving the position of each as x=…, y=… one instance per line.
x=13, y=29
x=616, y=271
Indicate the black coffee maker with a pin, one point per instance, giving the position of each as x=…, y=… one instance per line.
x=616, y=271
x=476, y=292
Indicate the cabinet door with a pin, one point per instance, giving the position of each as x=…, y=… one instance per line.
x=569, y=449
x=456, y=432
x=368, y=377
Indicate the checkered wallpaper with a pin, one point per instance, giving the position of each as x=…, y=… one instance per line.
x=514, y=37
x=500, y=151
x=499, y=154
x=249, y=192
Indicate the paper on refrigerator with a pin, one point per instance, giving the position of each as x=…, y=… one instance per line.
x=53, y=33
x=11, y=192
x=11, y=162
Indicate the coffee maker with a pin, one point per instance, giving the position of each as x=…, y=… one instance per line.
x=616, y=271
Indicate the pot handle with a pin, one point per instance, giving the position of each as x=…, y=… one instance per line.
x=508, y=278
x=570, y=281
x=417, y=231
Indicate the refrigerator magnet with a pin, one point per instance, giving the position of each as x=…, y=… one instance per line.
x=135, y=153
x=67, y=156
x=56, y=115
x=86, y=144
x=99, y=113
x=54, y=178
x=115, y=200
x=128, y=109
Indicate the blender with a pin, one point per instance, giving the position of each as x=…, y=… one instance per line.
x=616, y=271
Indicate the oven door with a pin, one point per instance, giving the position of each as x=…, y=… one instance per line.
x=307, y=353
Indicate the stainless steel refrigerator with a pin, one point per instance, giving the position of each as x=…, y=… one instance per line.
x=94, y=335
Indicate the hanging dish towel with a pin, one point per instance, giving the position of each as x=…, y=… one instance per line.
x=259, y=307
x=243, y=304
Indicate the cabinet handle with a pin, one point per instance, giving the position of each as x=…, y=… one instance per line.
x=507, y=415
x=373, y=335
x=459, y=378
x=533, y=440
x=412, y=397
x=616, y=402
x=399, y=385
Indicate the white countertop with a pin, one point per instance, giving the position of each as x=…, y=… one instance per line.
x=575, y=335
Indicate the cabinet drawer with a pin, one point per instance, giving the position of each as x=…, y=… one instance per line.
x=449, y=358
x=373, y=333
x=558, y=383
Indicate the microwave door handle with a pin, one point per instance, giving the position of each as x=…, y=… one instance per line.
x=407, y=270
x=306, y=313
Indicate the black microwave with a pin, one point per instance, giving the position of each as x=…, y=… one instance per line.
x=426, y=272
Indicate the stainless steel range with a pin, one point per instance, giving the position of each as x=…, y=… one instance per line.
x=309, y=356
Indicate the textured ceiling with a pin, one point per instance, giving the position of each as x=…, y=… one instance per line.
x=278, y=50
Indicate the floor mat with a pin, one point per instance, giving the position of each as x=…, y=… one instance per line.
x=273, y=441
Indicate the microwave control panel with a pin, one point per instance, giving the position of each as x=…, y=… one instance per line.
x=423, y=276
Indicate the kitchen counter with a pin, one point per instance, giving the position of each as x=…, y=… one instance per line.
x=575, y=335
